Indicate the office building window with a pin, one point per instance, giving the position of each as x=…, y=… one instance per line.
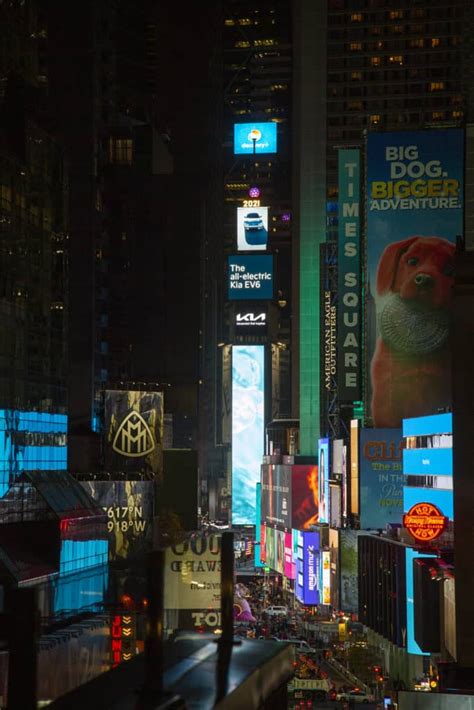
x=396, y=59
x=436, y=85
x=375, y=61
x=396, y=14
x=375, y=119
x=356, y=17
x=435, y=41
x=121, y=150
x=355, y=46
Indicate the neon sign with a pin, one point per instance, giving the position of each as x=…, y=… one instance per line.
x=425, y=522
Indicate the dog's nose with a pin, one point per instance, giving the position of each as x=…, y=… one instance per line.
x=424, y=280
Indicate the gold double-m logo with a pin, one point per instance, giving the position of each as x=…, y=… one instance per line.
x=134, y=437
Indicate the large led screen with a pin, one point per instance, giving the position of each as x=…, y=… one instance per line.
x=276, y=495
x=307, y=568
x=349, y=569
x=381, y=477
x=304, y=496
x=255, y=138
x=250, y=277
x=414, y=216
x=323, y=480
x=134, y=431
x=248, y=383
x=252, y=228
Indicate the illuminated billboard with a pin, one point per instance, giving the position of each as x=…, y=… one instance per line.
x=349, y=285
x=129, y=509
x=325, y=577
x=414, y=216
x=255, y=138
x=381, y=477
x=251, y=321
x=353, y=485
x=323, y=480
x=252, y=228
x=248, y=390
x=275, y=549
x=258, y=526
x=276, y=495
x=307, y=568
x=304, y=496
x=250, y=277
x=193, y=573
x=289, y=567
x=133, y=431
x=30, y=441
x=349, y=570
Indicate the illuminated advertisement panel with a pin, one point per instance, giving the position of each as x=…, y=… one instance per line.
x=354, y=479
x=307, y=568
x=323, y=480
x=263, y=544
x=129, y=509
x=428, y=462
x=276, y=495
x=411, y=644
x=275, y=549
x=250, y=277
x=289, y=570
x=247, y=429
x=414, y=216
x=193, y=574
x=349, y=288
x=438, y=497
x=252, y=228
x=381, y=477
x=326, y=577
x=133, y=431
x=255, y=138
x=425, y=426
x=258, y=525
x=304, y=496
x=349, y=568
x=31, y=441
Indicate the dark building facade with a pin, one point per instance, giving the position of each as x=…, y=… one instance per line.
x=33, y=223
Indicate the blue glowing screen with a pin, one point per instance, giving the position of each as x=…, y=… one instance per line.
x=248, y=388
x=255, y=138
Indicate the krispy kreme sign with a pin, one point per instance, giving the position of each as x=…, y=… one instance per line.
x=425, y=522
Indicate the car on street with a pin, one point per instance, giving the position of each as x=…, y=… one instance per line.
x=301, y=645
x=355, y=696
x=276, y=610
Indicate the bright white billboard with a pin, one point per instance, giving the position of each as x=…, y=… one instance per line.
x=252, y=228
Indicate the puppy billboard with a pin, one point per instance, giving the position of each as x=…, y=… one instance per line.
x=414, y=216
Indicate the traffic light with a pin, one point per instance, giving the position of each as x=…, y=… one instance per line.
x=378, y=670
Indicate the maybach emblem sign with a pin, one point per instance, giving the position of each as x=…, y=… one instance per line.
x=133, y=437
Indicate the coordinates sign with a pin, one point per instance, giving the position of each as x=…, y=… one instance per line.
x=193, y=574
